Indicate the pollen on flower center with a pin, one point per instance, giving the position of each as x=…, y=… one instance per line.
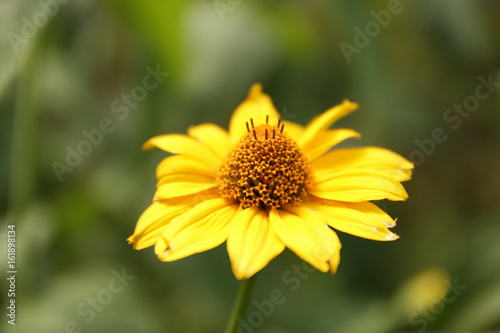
x=266, y=169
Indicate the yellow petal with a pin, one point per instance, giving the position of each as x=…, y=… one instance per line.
x=180, y=184
x=257, y=106
x=325, y=140
x=251, y=243
x=362, y=219
x=154, y=220
x=373, y=158
x=214, y=137
x=306, y=233
x=357, y=185
x=203, y=227
x=294, y=130
x=182, y=164
x=334, y=263
x=183, y=144
x=324, y=121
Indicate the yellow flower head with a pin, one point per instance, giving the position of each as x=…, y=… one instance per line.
x=268, y=184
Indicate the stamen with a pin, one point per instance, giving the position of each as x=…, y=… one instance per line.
x=251, y=120
x=254, y=134
x=265, y=133
x=282, y=128
x=267, y=119
x=279, y=123
x=274, y=133
x=248, y=129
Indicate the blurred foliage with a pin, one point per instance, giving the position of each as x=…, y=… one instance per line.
x=65, y=77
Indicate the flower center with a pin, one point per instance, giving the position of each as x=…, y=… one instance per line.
x=266, y=169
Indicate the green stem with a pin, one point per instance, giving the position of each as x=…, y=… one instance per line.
x=246, y=287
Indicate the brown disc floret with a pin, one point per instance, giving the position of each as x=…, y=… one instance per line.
x=266, y=169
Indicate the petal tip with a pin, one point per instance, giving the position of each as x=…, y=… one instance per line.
x=391, y=224
x=147, y=145
x=391, y=237
x=242, y=273
x=136, y=242
x=351, y=105
x=131, y=239
x=334, y=264
x=255, y=90
x=162, y=249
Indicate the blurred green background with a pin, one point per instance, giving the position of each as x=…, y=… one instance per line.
x=66, y=65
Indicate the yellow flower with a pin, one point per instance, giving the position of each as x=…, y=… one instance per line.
x=267, y=184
